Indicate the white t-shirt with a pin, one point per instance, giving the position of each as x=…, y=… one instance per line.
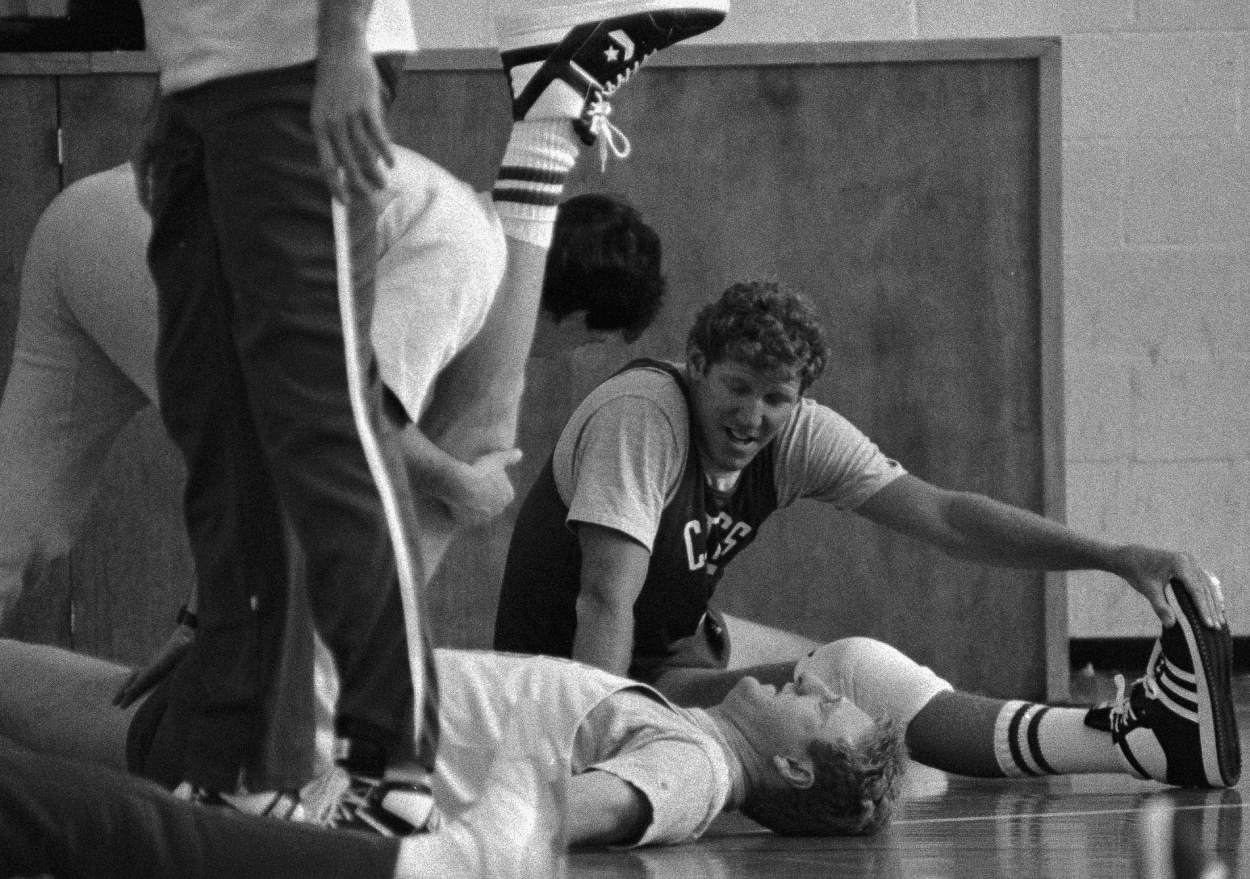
x=584, y=718
x=197, y=41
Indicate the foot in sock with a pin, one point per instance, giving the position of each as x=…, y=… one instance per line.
x=1176, y=724
x=563, y=62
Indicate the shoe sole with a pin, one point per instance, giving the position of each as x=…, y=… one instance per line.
x=517, y=30
x=1217, y=722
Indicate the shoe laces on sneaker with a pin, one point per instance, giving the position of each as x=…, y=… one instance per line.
x=362, y=805
x=1122, y=715
x=630, y=69
x=609, y=136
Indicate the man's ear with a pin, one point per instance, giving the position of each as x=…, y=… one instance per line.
x=799, y=772
x=696, y=361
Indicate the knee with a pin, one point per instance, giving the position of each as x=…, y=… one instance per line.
x=835, y=663
x=846, y=653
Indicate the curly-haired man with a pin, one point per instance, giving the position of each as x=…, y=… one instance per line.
x=666, y=472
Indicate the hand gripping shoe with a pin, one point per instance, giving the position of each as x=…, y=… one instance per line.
x=1176, y=724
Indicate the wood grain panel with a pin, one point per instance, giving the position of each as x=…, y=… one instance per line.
x=903, y=198
x=29, y=180
x=102, y=115
x=131, y=567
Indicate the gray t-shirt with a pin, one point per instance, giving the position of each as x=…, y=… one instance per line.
x=622, y=453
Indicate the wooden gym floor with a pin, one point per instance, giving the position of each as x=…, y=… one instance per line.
x=948, y=827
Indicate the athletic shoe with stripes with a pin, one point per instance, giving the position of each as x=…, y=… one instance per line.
x=384, y=808
x=269, y=804
x=563, y=62
x=1176, y=724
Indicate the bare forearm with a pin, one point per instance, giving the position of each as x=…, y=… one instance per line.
x=341, y=25
x=605, y=635
x=988, y=531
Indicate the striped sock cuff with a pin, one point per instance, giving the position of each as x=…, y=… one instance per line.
x=531, y=178
x=1016, y=742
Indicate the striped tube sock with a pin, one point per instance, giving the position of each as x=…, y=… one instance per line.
x=1032, y=739
x=531, y=178
x=1016, y=742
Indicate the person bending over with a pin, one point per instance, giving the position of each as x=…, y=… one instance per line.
x=86, y=337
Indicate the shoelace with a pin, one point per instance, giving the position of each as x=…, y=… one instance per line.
x=609, y=136
x=1121, y=710
x=352, y=808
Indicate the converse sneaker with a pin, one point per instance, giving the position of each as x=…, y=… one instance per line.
x=563, y=62
x=1176, y=724
x=386, y=808
x=268, y=804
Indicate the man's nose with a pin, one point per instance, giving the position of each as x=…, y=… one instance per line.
x=749, y=413
x=809, y=685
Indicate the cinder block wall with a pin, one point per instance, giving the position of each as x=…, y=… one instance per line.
x=1156, y=189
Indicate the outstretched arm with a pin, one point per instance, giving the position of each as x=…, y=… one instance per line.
x=977, y=528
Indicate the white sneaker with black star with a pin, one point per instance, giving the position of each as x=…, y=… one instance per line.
x=563, y=62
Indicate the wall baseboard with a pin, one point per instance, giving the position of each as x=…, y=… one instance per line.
x=1129, y=655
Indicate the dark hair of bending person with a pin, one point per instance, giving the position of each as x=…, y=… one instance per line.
x=604, y=261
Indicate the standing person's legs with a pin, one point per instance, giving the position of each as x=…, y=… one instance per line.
x=230, y=503
x=336, y=467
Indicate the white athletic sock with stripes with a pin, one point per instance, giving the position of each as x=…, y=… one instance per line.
x=1032, y=739
x=531, y=179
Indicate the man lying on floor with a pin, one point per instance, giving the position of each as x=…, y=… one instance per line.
x=808, y=759
x=802, y=760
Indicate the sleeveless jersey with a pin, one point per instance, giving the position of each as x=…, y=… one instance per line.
x=701, y=530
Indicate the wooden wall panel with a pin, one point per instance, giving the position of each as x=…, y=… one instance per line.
x=903, y=198
x=131, y=567
x=102, y=115
x=29, y=180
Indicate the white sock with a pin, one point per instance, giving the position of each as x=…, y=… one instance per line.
x=530, y=183
x=1033, y=739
